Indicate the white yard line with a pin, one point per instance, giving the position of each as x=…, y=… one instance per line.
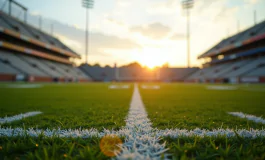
x=24, y=86
x=155, y=87
x=229, y=133
x=18, y=117
x=119, y=87
x=140, y=142
x=172, y=133
x=221, y=87
x=248, y=117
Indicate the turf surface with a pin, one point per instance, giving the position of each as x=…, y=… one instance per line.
x=66, y=106
x=188, y=106
x=185, y=106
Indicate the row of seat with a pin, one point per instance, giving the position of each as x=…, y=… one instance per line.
x=14, y=24
x=256, y=30
x=11, y=63
x=240, y=68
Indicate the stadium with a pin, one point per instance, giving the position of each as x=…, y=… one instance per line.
x=53, y=108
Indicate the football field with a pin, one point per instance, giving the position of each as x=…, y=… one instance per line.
x=150, y=120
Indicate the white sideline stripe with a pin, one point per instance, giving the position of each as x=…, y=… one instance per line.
x=172, y=133
x=24, y=86
x=119, y=87
x=221, y=88
x=140, y=141
x=229, y=133
x=248, y=116
x=150, y=87
x=18, y=117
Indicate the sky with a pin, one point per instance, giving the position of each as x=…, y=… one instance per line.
x=151, y=32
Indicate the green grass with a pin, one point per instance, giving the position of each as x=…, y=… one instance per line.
x=188, y=106
x=63, y=106
x=50, y=148
x=66, y=106
x=216, y=148
x=185, y=106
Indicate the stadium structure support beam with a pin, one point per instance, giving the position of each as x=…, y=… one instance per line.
x=52, y=29
x=238, y=26
x=255, y=17
x=19, y=5
x=40, y=22
x=88, y=4
x=10, y=7
x=187, y=5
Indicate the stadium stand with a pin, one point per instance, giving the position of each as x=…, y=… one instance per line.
x=175, y=74
x=28, y=54
x=98, y=73
x=237, y=59
x=137, y=73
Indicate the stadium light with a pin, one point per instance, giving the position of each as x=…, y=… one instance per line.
x=88, y=4
x=187, y=5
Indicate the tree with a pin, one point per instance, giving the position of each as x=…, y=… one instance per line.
x=165, y=65
x=133, y=65
x=96, y=65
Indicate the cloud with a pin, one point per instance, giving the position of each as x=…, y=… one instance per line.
x=154, y=30
x=178, y=36
x=163, y=8
x=252, y=1
x=76, y=26
x=225, y=12
x=114, y=21
x=101, y=47
x=35, y=13
x=69, y=42
x=101, y=40
x=123, y=3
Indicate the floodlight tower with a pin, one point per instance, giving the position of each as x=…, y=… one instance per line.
x=187, y=5
x=88, y=4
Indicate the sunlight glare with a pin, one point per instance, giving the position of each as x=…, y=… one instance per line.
x=150, y=57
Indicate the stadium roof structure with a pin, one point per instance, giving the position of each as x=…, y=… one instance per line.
x=244, y=38
x=24, y=38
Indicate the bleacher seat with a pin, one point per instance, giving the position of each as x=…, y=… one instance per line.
x=21, y=64
x=245, y=69
x=7, y=69
x=41, y=66
x=256, y=72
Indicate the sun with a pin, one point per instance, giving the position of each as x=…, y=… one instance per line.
x=150, y=57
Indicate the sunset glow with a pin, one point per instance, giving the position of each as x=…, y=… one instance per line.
x=153, y=34
x=150, y=57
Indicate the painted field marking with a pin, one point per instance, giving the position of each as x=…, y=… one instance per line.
x=248, y=117
x=221, y=88
x=90, y=133
x=150, y=87
x=18, y=117
x=119, y=87
x=24, y=86
x=141, y=143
